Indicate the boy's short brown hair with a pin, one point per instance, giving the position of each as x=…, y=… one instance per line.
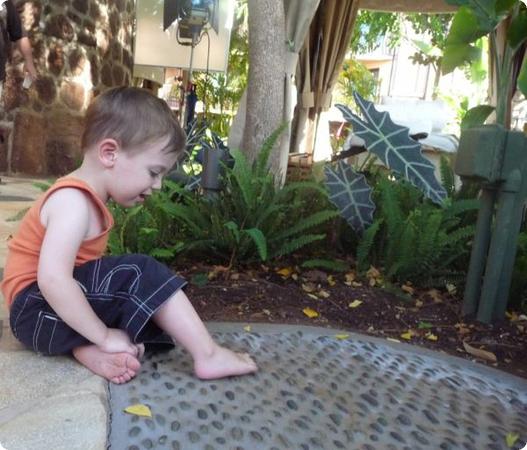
x=133, y=117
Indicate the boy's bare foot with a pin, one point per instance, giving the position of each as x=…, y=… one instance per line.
x=223, y=362
x=115, y=367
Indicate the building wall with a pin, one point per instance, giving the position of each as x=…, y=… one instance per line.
x=80, y=48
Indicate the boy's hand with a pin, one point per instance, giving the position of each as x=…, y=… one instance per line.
x=117, y=341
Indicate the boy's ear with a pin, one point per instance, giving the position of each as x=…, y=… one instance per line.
x=108, y=151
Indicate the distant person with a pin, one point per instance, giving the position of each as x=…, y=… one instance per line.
x=64, y=295
x=11, y=30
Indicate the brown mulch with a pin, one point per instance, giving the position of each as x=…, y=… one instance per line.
x=426, y=318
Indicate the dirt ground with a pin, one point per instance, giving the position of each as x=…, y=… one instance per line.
x=427, y=318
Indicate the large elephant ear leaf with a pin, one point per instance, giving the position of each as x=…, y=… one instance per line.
x=392, y=144
x=349, y=191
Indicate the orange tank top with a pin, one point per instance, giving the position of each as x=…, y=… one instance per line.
x=24, y=248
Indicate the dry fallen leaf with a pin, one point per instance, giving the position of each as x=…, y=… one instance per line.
x=285, y=272
x=311, y=313
x=511, y=439
x=479, y=353
x=431, y=337
x=418, y=303
x=247, y=328
x=313, y=296
x=309, y=287
x=342, y=337
x=355, y=303
x=408, y=335
x=408, y=288
x=393, y=340
x=331, y=280
x=435, y=295
x=451, y=288
x=323, y=294
x=349, y=277
x=138, y=410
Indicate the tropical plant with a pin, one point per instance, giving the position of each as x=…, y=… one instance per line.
x=477, y=18
x=393, y=146
x=355, y=77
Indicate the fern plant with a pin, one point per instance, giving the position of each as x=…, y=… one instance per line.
x=251, y=219
x=419, y=241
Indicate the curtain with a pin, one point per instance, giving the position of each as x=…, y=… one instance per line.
x=321, y=59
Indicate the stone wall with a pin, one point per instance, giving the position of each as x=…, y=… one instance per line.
x=80, y=48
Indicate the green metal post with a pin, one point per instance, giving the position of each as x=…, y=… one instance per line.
x=480, y=246
x=511, y=249
x=515, y=160
x=498, y=246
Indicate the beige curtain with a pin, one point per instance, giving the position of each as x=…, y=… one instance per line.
x=320, y=62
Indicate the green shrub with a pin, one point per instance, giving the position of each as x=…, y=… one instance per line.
x=249, y=220
x=415, y=240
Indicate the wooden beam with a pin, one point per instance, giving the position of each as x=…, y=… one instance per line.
x=427, y=6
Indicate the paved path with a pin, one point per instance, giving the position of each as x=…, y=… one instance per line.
x=313, y=391
x=319, y=391
x=45, y=403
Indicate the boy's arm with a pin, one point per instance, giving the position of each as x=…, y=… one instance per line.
x=66, y=217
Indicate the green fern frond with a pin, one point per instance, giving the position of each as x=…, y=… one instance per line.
x=259, y=240
x=296, y=244
x=447, y=176
x=260, y=168
x=305, y=224
x=366, y=243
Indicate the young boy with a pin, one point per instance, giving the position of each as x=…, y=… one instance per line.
x=64, y=295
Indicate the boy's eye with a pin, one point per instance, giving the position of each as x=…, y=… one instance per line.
x=154, y=174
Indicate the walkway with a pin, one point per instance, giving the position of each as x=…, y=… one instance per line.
x=317, y=389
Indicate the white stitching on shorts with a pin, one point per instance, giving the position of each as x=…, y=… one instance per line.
x=105, y=284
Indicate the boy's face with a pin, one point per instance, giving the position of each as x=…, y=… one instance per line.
x=136, y=172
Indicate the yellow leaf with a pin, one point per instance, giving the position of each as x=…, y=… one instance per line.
x=311, y=313
x=247, y=328
x=308, y=287
x=349, y=277
x=285, y=272
x=431, y=336
x=355, y=303
x=513, y=317
x=511, y=439
x=451, y=288
x=342, y=337
x=373, y=272
x=138, y=410
x=408, y=335
x=407, y=288
x=331, y=280
x=479, y=353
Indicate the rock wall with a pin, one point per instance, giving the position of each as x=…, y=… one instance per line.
x=80, y=48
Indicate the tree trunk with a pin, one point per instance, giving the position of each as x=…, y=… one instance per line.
x=265, y=87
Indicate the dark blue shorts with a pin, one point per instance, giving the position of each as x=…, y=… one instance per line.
x=124, y=291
